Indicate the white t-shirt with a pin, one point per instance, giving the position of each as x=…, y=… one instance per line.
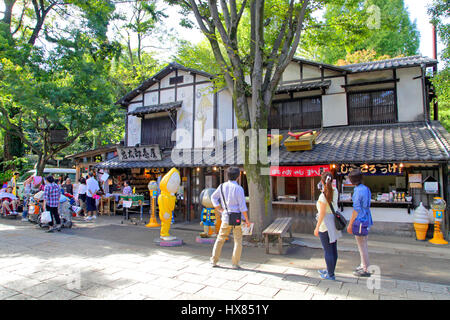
x=92, y=187
x=82, y=189
x=323, y=227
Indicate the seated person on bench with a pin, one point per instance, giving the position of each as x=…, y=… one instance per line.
x=10, y=206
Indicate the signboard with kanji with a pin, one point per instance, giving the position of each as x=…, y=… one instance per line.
x=147, y=153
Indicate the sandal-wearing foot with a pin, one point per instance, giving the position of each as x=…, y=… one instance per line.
x=362, y=273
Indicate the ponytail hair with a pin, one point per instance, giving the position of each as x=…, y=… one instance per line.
x=327, y=182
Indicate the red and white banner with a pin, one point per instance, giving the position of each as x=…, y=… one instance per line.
x=298, y=172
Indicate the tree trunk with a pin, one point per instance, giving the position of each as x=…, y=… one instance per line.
x=42, y=161
x=260, y=199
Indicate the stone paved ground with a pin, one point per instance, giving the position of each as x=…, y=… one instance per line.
x=99, y=261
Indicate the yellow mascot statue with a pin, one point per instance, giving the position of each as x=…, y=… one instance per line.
x=169, y=184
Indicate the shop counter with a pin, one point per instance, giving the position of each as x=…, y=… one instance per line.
x=381, y=204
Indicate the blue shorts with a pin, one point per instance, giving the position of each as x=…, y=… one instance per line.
x=90, y=204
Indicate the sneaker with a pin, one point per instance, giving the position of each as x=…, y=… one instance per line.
x=326, y=276
x=89, y=218
x=361, y=273
x=50, y=230
x=24, y=220
x=322, y=272
x=94, y=217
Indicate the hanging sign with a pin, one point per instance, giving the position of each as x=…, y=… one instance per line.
x=431, y=187
x=147, y=153
x=298, y=172
x=387, y=169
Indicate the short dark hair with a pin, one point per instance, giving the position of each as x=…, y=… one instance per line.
x=82, y=180
x=50, y=179
x=355, y=177
x=233, y=173
x=90, y=174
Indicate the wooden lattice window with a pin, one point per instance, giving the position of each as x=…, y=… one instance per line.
x=375, y=107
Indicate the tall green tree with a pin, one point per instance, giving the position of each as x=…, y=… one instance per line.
x=439, y=12
x=348, y=26
x=60, y=80
x=272, y=40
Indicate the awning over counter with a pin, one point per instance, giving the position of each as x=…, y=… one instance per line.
x=402, y=142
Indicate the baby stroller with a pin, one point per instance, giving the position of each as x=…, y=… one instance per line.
x=65, y=214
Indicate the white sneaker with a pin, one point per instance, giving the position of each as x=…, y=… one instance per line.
x=88, y=218
x=94, y=217
x=24, y=220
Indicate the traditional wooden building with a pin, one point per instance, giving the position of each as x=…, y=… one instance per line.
x=374, y=115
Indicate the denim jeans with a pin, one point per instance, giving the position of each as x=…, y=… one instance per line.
x=25, y=207
x=330, y=250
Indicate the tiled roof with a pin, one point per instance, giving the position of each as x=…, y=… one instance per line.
x=370, y=144
x=304, y=86
x=401, y=142
x=390, y=64
x=155, y=108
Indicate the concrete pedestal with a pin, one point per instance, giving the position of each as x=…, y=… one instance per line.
x=169, y=243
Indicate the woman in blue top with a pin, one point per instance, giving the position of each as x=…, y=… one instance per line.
x=362, y=217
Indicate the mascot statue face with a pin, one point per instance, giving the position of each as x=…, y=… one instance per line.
x=205, y=197
x=152, y=185
x=171, y=181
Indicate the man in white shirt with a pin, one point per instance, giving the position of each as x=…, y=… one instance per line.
x=234, y=198
x=91, y=189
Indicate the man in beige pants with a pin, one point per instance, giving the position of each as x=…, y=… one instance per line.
x=234, y=198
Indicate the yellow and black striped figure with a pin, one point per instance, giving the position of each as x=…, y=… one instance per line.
x=209, y=220
x=169, y=184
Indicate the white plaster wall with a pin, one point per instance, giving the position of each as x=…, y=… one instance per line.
x=204, y=116
x=311, y=72
x=137, y=98
x=187, y=77
x=409, y=95
x=150, y=98
x=225, y=115
x=166, y=79
x=167, y=95
x=184, y=118
x=134, y=131
x=292, y=72
x=336, y=85
x=334, y=110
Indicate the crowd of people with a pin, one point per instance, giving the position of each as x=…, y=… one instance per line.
x=48, y=190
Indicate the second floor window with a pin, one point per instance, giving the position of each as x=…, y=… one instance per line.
x=375, y=107
x=157, y=131
x=303, y=113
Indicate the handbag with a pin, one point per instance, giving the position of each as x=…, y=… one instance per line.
x=46, y=217
x=360, y=228
x=234, y=217
x=339, y=221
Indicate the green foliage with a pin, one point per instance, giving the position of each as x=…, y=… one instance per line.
x=440, y=14
x=353, y=25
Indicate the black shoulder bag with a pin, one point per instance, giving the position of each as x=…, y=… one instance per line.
x=234, y=217
x=339, y=221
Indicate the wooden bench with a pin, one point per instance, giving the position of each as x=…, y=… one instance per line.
x=278, y=228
